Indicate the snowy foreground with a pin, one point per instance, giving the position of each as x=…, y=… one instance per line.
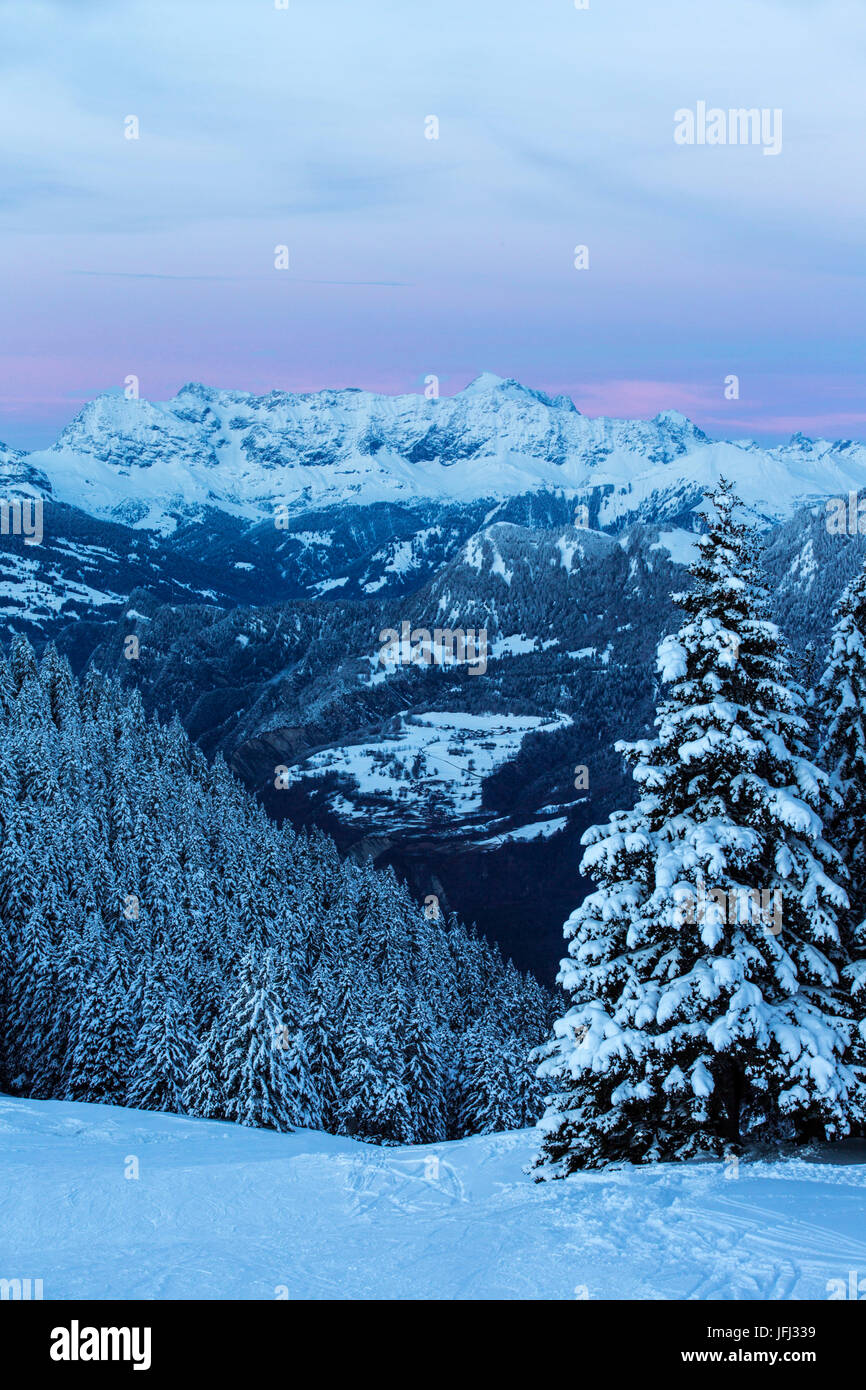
x=223, y=1212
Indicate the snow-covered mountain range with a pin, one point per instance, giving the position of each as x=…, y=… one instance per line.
x=225, y=497
x=158, y=466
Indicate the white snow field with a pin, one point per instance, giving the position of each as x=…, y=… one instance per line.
x=431, y=768
x=221, y=1212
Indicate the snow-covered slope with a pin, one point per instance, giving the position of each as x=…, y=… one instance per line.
x=220, y=1212
x=426, y=775
x=154, y=465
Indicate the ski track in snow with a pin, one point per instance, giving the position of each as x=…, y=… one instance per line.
x=224, y=1212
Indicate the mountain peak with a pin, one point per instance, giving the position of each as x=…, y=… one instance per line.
x=510, y=387
x=673, y=417
x=198, y=390
x=487, y=381
x=674, y=423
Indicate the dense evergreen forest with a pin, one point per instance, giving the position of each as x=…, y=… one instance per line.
x=164, y=945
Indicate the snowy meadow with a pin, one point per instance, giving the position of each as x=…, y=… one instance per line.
x=103, y=1202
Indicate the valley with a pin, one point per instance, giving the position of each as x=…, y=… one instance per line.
x=259, y=551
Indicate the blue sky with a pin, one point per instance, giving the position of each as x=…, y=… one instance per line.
x=305, y=127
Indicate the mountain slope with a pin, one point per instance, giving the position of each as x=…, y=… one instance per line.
x=220, y=1212
x=434, y=769
x=466, y=783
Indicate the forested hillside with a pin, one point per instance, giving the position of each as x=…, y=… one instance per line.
x=164, y=945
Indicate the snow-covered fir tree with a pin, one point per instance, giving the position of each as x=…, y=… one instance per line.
x=165, y=1044
x=102, y=1062
x=842, y=706
x=702, y=1015
x=254, y=1080
x=163, y=944
x=363, y=1114
x=425, y=1079
x=303, y=1103
x=321, y=1030
x=490, y=1098
x=203, y=1094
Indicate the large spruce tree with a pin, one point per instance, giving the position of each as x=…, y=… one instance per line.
x=842, y=705
x=699, y=1019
